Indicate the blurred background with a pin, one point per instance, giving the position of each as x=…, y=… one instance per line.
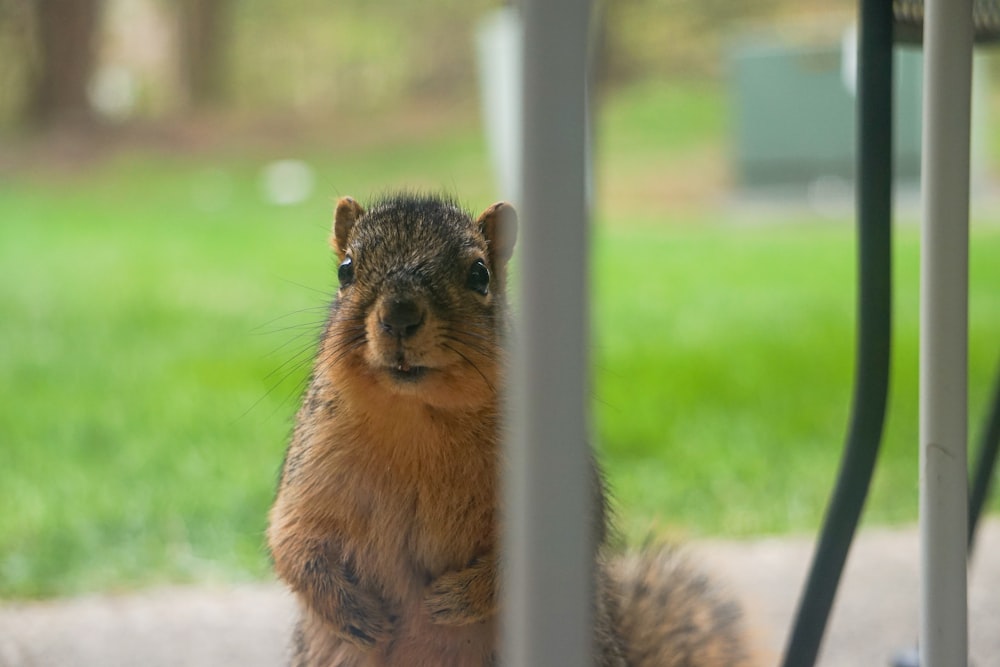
x=167, y=176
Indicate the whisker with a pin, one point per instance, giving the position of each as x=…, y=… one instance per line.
x=313, y=332
x=469, y=338
x=329, y=295
x=475, y=347
x=345, y=347
x=473, y=334
x=298, y=390
x=474, y=366
x=312, y=325
x=297, y=359
x=259, y=329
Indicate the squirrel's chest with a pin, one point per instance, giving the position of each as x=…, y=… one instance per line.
x=426, y=496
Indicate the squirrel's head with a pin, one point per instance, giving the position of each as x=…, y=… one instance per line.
x=421, y=306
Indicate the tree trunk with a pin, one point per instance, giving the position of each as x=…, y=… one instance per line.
x=66, y=30
x=204, y=28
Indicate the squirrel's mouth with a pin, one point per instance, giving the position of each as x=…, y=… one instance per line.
x=406, y=373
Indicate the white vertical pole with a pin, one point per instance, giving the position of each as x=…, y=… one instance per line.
x=547, y=611
x=944, y=333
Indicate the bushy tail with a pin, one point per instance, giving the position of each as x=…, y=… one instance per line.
x=671, y=615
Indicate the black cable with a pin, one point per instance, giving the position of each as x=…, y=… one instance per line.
x=989, y=442
x=874, y=201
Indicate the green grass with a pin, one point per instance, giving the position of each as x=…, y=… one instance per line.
x=157, y=317
x=662, y=120
x=134, y=441
x=724, y=368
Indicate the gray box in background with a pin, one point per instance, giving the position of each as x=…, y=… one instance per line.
x=794, y=119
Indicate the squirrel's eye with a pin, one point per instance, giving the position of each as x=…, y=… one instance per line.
x=345, y=274
x=479, y=277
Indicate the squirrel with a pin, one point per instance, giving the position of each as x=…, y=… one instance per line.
x=386, y=520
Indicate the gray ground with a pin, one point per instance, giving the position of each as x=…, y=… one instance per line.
x=875, y=615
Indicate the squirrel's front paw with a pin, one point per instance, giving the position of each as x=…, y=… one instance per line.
x=464, y=596
x=361, y=618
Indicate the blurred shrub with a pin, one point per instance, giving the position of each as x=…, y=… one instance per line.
x=318, y=55
x=352, y=53
x=688, y=38
x=18, y=58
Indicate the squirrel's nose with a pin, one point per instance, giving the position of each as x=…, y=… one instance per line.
x=401, y=318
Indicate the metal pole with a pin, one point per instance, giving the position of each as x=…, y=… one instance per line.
x=944, y=280
x=871, y=381
x=547, y=610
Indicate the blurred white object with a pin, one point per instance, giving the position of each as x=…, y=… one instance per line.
x=849, y=60
x=287, y=182
x=113, y=92
x=499, y=40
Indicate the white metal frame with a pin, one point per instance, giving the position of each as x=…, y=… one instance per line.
x=546, y=622
x=948, y=36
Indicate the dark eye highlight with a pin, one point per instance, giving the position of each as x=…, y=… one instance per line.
x=345, y=273
x=479, y=278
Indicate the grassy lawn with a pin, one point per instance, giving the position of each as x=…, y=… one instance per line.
x=724, y=364
x=157, y=320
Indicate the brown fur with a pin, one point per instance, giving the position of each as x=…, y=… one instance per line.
x=385, y=521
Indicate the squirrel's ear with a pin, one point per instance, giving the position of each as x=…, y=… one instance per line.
x=347, y=213
x=499, y=225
